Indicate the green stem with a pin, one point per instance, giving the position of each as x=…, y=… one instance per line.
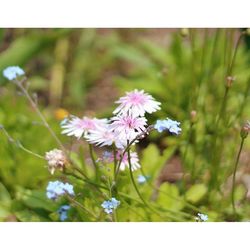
x=230, y=68
x=39, y=113
x=97, y=172
x=19, y=145
x=234, y=174
x=136, y=188
x=115, y=161
x=82, y=207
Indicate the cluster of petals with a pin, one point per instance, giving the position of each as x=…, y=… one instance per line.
x=137, y=103
x=134, y=160
x=78, y=127
x=12, y=72
x=104, y=135
x=56, y=160
x=128, y=127
x=109, y=205
x=168, y=124
x=63, y=212
x=56, y=189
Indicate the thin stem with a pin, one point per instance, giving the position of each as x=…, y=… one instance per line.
x=135, y=186
x=230, y=68
x=18, y=144
x=97, y=172
x=88, y=181
x=82, y=207
x=115, y=160
x=34, y=106
x=141, y=135
x=234, y=174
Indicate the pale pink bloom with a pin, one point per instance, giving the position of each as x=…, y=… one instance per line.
x=56, y=160
x=108, y=157
x=78, y=127
x=128, y=127
x=125, y=163
x=103, y=135
x=137, y=103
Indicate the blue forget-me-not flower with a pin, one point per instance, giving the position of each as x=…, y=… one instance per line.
x=168, y=124
x=109, y=205
x=141, y=179
x=202, y=217
x=58, y=188
x=12, y=72
x=62, y=211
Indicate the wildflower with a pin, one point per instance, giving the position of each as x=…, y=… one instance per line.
x=78, y=127
x=168, y=124
x=12, y=72
x=202, y=217
x=137, y=103
x=128, y=126
x=141, y=179
x=134, y=160
x=109, y=205
x=62, y=211
x=103, y=135
x=56, y=160
x=245, y=130
x=57, y=188
x=107, y=157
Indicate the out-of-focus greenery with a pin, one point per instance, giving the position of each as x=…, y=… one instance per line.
x=186, y=70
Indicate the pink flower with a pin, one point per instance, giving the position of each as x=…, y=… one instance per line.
x=78, y=127
x=128, y=127
x=103, y=135
x=108, y=157
x=137, y=103
x=125, y=163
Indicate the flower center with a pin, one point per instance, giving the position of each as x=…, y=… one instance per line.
x=137, y=98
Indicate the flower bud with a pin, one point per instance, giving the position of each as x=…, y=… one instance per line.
x=56, y=160
x=193, y=116
x=229, y=82
x=245, y=130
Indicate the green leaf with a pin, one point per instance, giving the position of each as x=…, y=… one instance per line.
x=196, y=193
x=169, y=197
x=36, y=199
x=5, y=198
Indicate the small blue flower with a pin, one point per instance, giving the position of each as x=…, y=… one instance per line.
x=202, y=217
x=57, y=188
x=109, y=205
x=141, y=179
x=12, y=72
x=107, y=155
x=168, y=124
x=62, y=211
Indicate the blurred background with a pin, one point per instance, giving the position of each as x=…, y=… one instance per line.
x=83, y=71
